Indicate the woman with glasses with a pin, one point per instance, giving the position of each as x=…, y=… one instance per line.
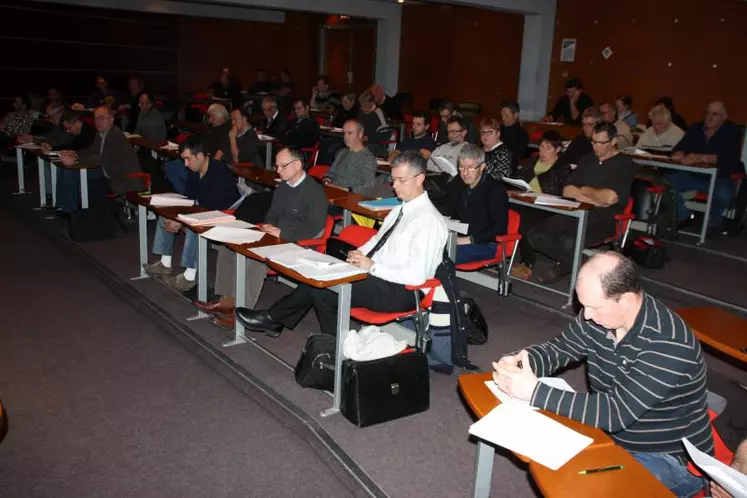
x=498, y=157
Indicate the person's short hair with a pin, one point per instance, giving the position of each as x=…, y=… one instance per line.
x=456, y=118
x=218, y=110
x=350, y=95
x=490, y=123
x=139, y=79
x=553, y=138
x=358, y=125
x=295, y=153
x=472, y=152
x=147, y=96
x=270, y=99
x=260, y=70
x=424, y=115
x=366, y=97
x=627, y=100
x=660, y=113
x=194, y=144
x=448, y=105
x=324, y=78
x=511, y=105
x=70, y=116
x=592, y=112
x=285, y=72
x=106, y=108
x=604, y=127
x=666, y=102
x=411, y=159
x=55, y=107
x=245, y=111
x=574, y=83
x=304, y=101
x=612, y=107
x=623, y=278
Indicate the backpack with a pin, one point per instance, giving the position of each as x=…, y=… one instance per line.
x=316, y=365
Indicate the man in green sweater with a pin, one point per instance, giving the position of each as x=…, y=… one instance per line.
x=298, y=211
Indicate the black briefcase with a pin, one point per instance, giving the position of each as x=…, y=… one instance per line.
x=385, y=389
x=316, y=365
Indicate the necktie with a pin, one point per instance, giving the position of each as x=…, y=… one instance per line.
x=386, y=236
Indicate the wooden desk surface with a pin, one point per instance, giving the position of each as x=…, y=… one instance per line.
x=719, y=329
x=481, y=401
x=566, y=131
x=255, y=174
x=154, y=145
x=667, y=160
x=198, y=128
x=633, y=480
x=519, y=196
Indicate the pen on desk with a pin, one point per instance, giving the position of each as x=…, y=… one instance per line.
x=602, y=469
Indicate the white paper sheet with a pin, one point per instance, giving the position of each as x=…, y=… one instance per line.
x=381, y=162
x=170, y=146
x=503, y=397
x=170, y=199
x=206, y=218
x=268, y=252
x=232, y=235
x=265, y=138
x=236, y=224
x=517, y=183
x=444, y=165
x=29, y=146
x=730, y=479
x=551, y=200
x=456, y=226
x=531, y=434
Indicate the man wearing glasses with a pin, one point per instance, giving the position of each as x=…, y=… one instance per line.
x=476, y=198
x=581, y=144
x=448, y=153
x=713, y=141
x=298, y=211
x=304, y=131
x=602, y=179
x=406, y=251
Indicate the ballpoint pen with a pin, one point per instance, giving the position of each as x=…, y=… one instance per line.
x=602, y=469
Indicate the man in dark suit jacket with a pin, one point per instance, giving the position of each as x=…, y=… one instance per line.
x=304, y=131
x=274, y=123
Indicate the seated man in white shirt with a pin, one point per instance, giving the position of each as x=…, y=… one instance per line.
x=450, y=150
x=406, y=251
x=663, y=134
x=624, y=133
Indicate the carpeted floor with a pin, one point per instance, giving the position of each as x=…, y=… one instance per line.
x=102, y=403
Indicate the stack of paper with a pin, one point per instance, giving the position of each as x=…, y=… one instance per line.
x=381, y=204
x=517, y=183
x=265, y=138
x=531, y=434
x=205, y=218
x=551, y=200
x=29, y=146
x=730, y=479
x=504, y=397
x=233, y=235
x=310, y=264
x=170, y=146
x=170, y=199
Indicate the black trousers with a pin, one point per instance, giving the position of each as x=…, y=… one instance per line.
x=556, y=236
x=372, y=293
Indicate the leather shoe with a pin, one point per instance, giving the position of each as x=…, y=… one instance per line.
x=259, y=321
x=226, y=321
x=213, y=307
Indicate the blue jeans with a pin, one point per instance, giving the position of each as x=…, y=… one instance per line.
x=671, y=472
x=163, y=244
x=176, y=172
x=474, y=252
x=684, y=181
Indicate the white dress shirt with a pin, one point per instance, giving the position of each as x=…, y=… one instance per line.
x=415, y=249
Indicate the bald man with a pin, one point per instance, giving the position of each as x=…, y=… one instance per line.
x=645, y=370
x=714, y=141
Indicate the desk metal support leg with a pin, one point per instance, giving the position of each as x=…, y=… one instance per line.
x=709, y=203
x=483, y=470
x=451, y=245
x=202, y=249
x=84, y=189
x=142, y=230
x=240, y=293
x=21, y=179
x=347, y=218
x=268, y=155
x=53, y=175
x=42, y=183
x=578, y=252
x=343, y=327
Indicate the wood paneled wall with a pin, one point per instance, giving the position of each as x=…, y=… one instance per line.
x=690, y=50
x=461, y=53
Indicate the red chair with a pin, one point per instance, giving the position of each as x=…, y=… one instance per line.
x=535, y=136
x=321, y=120
x=622, y=227
x=505, y=253
x=434, y=127
x=658, y=193
x=393, y=141
x=201, y=96
x=318, y=171
x=309, y=153
x=722, y=453
x=357, y=236
x=180, y=138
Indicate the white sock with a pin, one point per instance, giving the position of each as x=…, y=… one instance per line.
x=190, y=273
x=166, y=261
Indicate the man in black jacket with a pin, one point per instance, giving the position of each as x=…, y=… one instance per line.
x=274, y=124
x=304, y=131
x=479, y=200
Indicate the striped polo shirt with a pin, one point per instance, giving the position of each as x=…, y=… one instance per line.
x=648, y=391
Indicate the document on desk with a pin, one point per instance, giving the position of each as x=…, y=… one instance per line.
x=551, y=200
x=504, y=397
x=537, y=437
x=312, y=264
x=232, y=235
x=29, y=146
x=132, y=135
x=170, y=146
x=270, y=252
x=730, y=479
x=517, y=183
x=641, y=152
x=236, y=224
x=170, y=199
x=265, y=138
x=205, y=218
x=444, y=165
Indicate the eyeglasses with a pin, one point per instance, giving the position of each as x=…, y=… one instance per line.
x=455, y=131
x=599, y=142
x=102, y=118
x=470, y=168
x=283, y=166
x=402, y=180
x=488, y=132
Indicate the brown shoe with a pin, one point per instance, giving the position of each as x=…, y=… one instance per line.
x=227, y=321
x=213, y=307
x=157, y=269
x=180, y=282
x=522, y=271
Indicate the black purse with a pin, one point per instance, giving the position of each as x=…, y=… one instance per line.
x=385, y=389
x=476, y=327
x=338, y=248
x=316, y=365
